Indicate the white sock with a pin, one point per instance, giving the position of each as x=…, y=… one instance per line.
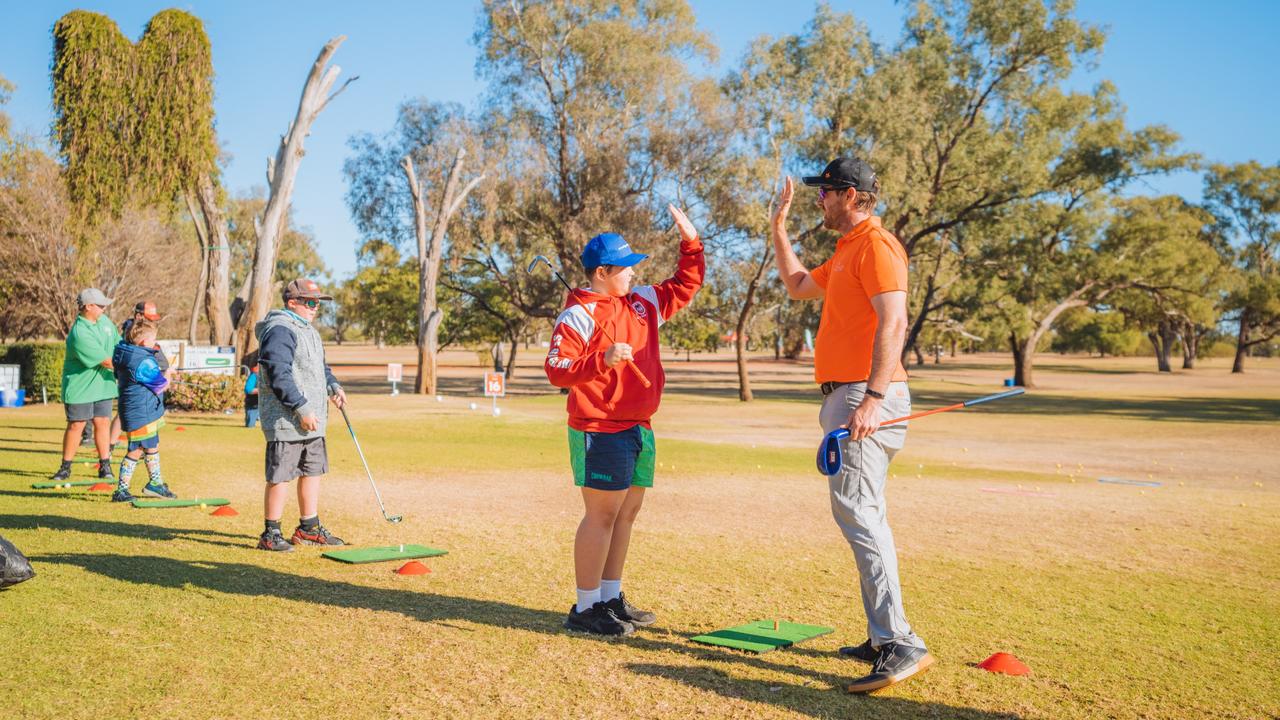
x=587, y=598
x=610, y=589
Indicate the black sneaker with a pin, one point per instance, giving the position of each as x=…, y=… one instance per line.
x=274, y=540
x=104, y=471
x=629, y=613
x=318, y=535
x=64, y=473
x=597, y=620
x=121, y=496
x=896, y=663
x=863, y=652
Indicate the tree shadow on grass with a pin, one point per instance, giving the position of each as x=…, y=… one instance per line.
x=78, y=494
x=120, y=529
x=806, y=700
x=27, y=473
x=255, y=581
x=30, y=441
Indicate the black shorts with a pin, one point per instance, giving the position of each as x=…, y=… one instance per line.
x=79, y=412
x=288, y=459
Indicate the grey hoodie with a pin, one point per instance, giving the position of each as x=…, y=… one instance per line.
x=294, y=380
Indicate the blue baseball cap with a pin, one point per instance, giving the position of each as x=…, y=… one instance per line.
x=608, y=249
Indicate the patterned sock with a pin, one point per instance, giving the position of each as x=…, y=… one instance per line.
x=126, y=472
x=610, y=589
x=153, y=467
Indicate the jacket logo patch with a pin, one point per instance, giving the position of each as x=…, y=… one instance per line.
x=639, y=308
x=555, y=340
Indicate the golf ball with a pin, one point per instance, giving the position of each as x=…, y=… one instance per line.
x=473, y=406
x=439, y=398
x=497, y=412
x=202, y=506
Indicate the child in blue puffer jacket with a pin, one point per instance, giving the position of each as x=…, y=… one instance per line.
x=142, y=384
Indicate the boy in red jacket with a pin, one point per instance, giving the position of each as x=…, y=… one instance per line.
x=610, y=442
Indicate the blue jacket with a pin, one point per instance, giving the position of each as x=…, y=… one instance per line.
x=141, y=383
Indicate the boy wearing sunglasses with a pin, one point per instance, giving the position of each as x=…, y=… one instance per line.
x=294, y=381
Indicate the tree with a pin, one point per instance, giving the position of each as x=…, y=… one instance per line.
x=1245, y=198
x=317, y=93
x=1179, y=274
x=382, y=294
x=432, y=138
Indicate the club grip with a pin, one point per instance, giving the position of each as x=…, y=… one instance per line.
x=639, y=374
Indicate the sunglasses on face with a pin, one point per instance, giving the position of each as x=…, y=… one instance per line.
x=312, y=304
x=823, y=192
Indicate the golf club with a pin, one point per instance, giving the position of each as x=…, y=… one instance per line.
x=385, y=516
x=830, y=456
x=573, y=294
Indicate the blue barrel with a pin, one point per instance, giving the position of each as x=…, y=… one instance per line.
x=1008, y=382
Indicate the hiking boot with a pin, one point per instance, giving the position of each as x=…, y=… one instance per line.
x=159, y=490
x=273, y=540
x=64, y=473
x=629, y=613
x=104, y=471
x=597, y=620
x=864, y=652
x=121, y=496
x=896, y=663
x=318, y=535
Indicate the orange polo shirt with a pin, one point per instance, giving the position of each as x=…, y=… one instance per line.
x=868, y=261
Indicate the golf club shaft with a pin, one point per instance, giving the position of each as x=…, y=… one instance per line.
x=957, y=406
x=367, y=472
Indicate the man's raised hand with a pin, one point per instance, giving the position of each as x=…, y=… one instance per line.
x=687, y=231
x=784, y=203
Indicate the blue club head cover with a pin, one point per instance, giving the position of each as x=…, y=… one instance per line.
x=830, y=458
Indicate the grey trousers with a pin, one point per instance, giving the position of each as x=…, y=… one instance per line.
x=857, y=502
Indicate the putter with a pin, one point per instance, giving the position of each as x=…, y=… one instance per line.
x=573, y=294
x=830, y=457
x=376, y=494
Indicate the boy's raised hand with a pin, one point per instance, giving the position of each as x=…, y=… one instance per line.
x=784, y=203
x=687, y=231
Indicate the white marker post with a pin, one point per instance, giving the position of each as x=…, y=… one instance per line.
x=495, y=386
x=395, y=374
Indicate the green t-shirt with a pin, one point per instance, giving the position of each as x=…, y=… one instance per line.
x=83, y=377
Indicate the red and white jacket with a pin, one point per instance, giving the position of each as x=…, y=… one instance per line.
x=612, y=399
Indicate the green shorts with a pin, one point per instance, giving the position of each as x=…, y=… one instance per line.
x=612, y=461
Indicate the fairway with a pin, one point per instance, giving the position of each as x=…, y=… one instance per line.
x=1125, y=600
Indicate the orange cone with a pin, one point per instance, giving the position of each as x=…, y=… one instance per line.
x=413, y=567
x=101, y=487
x=179, y=428
x=225, y=511
x=1004, y=663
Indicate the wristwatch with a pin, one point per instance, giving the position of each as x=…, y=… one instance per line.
x=874, y=394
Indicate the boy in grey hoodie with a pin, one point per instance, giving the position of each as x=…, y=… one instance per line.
x=294, y=382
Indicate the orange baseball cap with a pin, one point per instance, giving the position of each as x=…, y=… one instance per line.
x=148, y=310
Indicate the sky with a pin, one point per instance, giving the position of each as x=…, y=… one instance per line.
x=1199, y=68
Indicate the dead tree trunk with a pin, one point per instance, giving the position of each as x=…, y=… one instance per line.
x=430, y=250
x=218, y=274
x=202, y=236
x=281, y=173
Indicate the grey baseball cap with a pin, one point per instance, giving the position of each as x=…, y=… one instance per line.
x=92, y=296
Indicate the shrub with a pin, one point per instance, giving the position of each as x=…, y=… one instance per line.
x=41, y=366
x=202, y=392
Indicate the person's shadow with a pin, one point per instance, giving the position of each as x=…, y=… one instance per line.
x=255, y=581
x=120, y=529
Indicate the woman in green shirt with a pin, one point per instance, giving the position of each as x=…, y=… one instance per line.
x=88, y=384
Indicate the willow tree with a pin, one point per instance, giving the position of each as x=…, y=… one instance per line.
x=134, y=126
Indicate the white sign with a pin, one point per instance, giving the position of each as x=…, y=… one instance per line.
x=495, y=384
x=395, y=372
x=211, y=359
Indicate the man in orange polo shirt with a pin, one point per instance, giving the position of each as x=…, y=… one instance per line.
x=857, y=365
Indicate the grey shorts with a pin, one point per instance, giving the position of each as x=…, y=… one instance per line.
x=287, y=460
x=79, y=412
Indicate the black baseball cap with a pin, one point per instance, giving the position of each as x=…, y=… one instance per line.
x=844, y=173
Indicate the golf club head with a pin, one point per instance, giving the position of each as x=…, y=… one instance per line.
x=538, y=259
x=395, y=519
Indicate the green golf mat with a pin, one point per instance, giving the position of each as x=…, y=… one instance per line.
x=760, y=637
x=181, y=502
x=72, y=483
x=383, y=554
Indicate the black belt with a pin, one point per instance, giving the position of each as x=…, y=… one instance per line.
x=829, y=387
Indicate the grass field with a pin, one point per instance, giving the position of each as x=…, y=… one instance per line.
x=1126, y=602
